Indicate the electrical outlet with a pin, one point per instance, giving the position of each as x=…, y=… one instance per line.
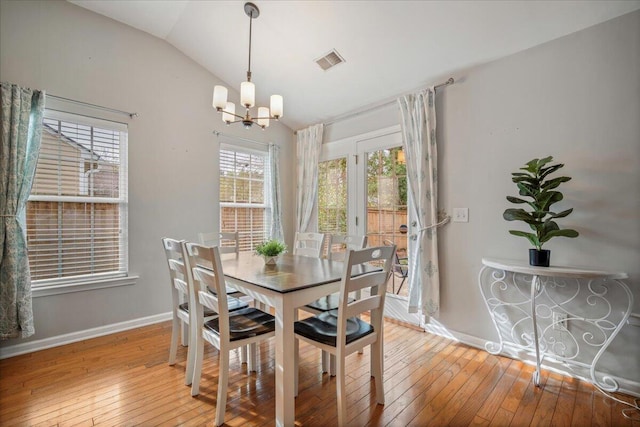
x=559, y=321
x=460, y=214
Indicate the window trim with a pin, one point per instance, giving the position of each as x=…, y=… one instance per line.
x=80, y=283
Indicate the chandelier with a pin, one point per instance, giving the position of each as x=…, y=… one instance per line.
x=247, y=93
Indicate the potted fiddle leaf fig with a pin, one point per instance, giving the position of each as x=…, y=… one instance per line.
x=271, y=250
x=539, y=191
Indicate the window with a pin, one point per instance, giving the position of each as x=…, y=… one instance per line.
x=332, y=196
x=77, y=210
x=243, y=206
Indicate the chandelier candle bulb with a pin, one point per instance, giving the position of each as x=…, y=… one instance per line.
x=228, y=113
x=219, y=97
x=247, y=94
x=276, y=106
x=263, y=117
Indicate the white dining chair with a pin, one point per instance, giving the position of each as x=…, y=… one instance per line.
x=227, y=243
x=180, y=277
x=339, y=247
x=226, y=332
x=309, y=244
x=343, y=333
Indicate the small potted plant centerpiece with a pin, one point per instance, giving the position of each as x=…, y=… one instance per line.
x=534, y=184
x=271, y=250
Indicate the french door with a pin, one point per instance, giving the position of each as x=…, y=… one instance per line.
x=362, y=189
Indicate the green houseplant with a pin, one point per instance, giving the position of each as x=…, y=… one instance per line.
x=539, y=193
x=270, y=250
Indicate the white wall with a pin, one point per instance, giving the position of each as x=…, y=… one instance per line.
x=576, y=98
x=173, y=169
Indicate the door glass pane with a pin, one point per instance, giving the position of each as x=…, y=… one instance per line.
x=332, y=196
x=387, y=208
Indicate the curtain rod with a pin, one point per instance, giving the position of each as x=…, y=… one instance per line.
x=450, y=81
x=99, y=107
x=218, y=134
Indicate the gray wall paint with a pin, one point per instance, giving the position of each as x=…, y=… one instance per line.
x=576, y=98
x=173, y=160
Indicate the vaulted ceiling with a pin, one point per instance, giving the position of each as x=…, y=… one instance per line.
x=390, y=47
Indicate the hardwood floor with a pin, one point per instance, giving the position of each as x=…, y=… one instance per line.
x=124, y=380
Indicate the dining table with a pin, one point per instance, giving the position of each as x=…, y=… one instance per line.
x=292, y=282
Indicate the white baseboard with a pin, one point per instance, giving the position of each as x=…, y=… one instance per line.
x=36, y=345
x=627, y=386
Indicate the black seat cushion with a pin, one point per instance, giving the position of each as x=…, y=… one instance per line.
x=245, y=323
x=230, y=290
x=322, y=328
x=328, y=303
x=233, y=303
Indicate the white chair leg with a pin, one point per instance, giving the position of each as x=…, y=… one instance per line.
x=243, y=354
x=197, y=365
x=377, y=370
x=173, y=350
x=341, y=392
x=184, y=328
x=325, y=362
x=192, y=351
x=332, y=365
x=252, y=364
x=296, y=366
x=223, y=380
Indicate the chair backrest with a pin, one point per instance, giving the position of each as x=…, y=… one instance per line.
x=309, y=244
x=207, y=273
x=353, y=281
x=340, y=245
x=227, y=242
x=179, y=273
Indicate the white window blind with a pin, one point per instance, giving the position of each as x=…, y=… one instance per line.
x=77, y=210
x=243, y=207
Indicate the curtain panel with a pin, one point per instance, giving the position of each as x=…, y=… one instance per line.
x=20, y=133
x=419, y=143
x=274, y=196
x=309, y=146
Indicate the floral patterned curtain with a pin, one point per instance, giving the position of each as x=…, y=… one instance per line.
x=309, y=146
x=21, y=130
x=421, y=154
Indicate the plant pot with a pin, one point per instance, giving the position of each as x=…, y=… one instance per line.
x=539, y=258
x=270, y=260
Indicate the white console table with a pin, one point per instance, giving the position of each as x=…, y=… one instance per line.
x=568, y=314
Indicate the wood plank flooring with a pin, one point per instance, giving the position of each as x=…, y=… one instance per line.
x=124, y=380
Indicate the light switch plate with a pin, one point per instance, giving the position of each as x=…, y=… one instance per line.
x=460, y=214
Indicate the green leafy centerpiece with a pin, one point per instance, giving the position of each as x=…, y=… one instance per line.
x=538, y=189
x=270, y=250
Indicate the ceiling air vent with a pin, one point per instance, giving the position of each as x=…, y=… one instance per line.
x=331, y=59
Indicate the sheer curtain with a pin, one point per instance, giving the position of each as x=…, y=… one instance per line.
x=309, y=145
x=421, y=154
x=20, y=130
x=274, y=195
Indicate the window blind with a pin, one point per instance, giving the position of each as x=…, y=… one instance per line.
x=242, y=196
x=77, y=210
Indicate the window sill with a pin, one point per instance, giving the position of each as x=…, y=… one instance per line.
x=65, y=288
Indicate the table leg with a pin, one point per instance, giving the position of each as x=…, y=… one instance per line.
x=285, y=353
x=535, y=286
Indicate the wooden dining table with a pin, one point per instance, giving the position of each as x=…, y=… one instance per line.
x=292, y=282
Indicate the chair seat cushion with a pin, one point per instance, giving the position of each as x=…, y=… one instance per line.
x=245, y=323
x=328, y=303
x=322, y=328
x=230, y=291
x=233, y=303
